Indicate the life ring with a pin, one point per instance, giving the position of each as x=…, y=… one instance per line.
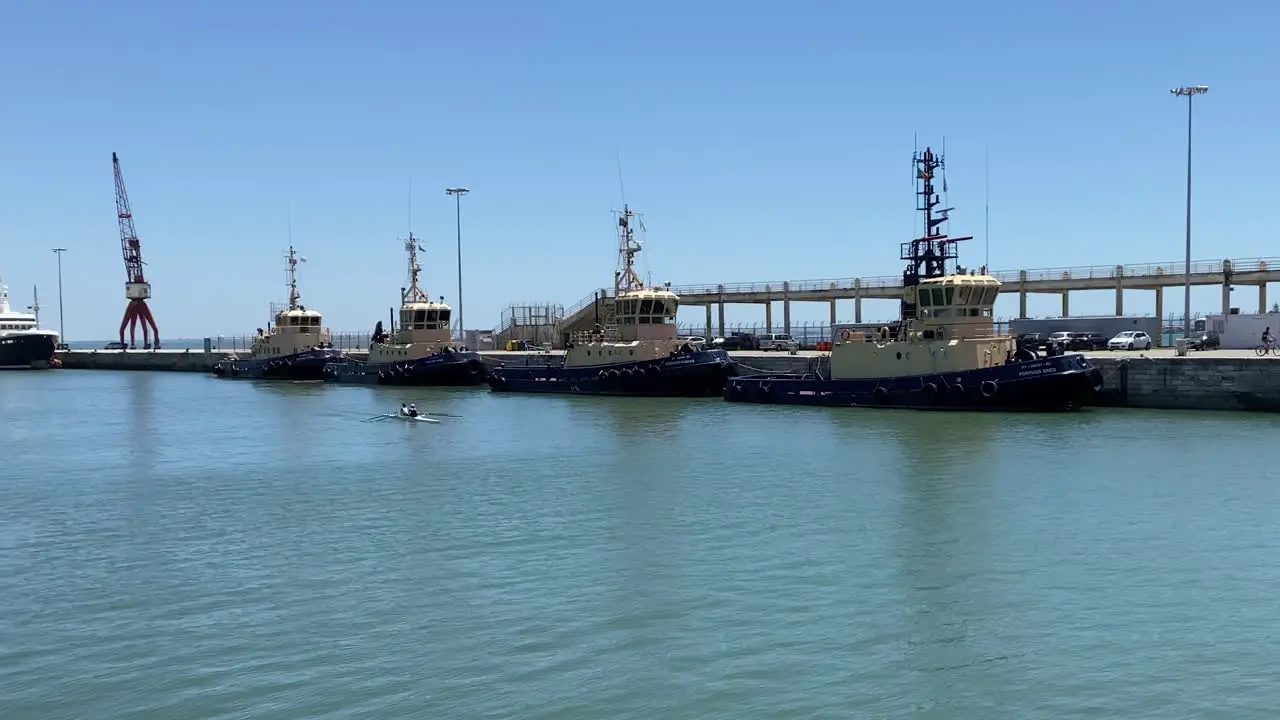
x=845, y=335
x=1024, y=354
x=988, y=388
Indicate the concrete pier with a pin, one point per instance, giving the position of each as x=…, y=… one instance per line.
x=1210, y=380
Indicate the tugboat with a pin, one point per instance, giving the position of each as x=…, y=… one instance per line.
x=421, y=352
x=23, y=344
x=944, y=352
x=298, y=347
x=638, y=353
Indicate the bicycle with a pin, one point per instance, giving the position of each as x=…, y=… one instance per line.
x=1272, y=346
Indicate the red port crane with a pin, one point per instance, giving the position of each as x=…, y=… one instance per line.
x=136, y=289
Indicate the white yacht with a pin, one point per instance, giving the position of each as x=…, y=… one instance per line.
x=23, y=345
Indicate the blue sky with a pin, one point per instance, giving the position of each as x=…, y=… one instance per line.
x=760, y=141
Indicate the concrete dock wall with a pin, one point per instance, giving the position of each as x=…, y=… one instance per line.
x=155, y=360
x=1191, y=383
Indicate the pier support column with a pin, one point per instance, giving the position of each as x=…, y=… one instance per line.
x=720, y=288
x=857, y=300
x=768, y=316
x=833, y=320
x=1226, y=288
x=1022, y=293
x=1262, y=298
x=708, y=335
x=1119, y=290
x=786, y=307
x=1160, y=316
x=1066, y=303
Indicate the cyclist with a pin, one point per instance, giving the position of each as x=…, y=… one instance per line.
x=1267, y=338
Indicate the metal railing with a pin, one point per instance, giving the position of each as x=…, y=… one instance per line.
x=586, y=302
x=1088, y=272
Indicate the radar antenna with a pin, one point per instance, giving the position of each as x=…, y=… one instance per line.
x=136, y=288
x=928, y=254
x=626, y=279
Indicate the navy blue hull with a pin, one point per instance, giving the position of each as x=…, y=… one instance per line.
x=1055, y=384
x=308, y=365
x=23, y=351
x=690, y=374
x=442, y=368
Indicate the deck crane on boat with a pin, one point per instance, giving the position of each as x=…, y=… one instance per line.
x=136, y=288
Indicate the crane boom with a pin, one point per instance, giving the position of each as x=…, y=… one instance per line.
x=136, y=288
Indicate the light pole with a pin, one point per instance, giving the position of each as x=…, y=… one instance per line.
x=62, y=331
x=1190, y=91
x=457, y=193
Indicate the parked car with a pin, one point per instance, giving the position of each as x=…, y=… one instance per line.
x=780, y=342
x=695, y=340
x=1130, y=340
x=1087, y=341
x=735, y=341
x=1035, y=341
x=1062, y=338
x=1205, y=341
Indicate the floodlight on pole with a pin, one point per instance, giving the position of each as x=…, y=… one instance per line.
x=457, y=193
x=1189, y=92
x=62, y=330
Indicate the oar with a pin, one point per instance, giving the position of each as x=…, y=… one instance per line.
x=441, y=415
x=375, y=418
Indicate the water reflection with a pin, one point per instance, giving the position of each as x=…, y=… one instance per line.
x=946, y=490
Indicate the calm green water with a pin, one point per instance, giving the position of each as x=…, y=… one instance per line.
x=175, y=546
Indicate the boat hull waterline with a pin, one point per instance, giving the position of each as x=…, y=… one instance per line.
x=1056, y=384
x=306, y=365
x=27, y=351
x=697, y=374
x=438, y=369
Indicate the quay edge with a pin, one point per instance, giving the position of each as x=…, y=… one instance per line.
x=1212, y=380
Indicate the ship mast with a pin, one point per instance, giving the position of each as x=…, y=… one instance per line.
x=928, y=254
x=295, y=299
x=626, y=279
x=413, y=293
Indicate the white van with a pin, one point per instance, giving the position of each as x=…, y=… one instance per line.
x=780, y=342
